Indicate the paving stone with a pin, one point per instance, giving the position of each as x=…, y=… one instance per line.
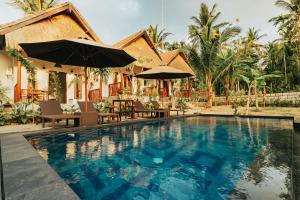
x=25, y=175
x=12, y=139
x=17, y=152
x=54, y=191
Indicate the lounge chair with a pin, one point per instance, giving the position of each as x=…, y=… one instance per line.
x=101, y=116
x=157, y=106
x=51, y=110
x=140, y=108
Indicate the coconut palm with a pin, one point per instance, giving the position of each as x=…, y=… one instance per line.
x=209, y=41
x=32, y=6
x=288, y=23
x=158, y=37
x=205, y=20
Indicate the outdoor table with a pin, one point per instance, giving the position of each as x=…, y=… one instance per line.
x=128, y=103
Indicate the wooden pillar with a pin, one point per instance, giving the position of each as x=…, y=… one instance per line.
x=100, y=89
x=19, y=80
x=86, y=89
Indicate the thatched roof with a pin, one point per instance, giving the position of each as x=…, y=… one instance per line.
x=171, y=58
x=132, y=38
x=66, y=8
x=164, y=72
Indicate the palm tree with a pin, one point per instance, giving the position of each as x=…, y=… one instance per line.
x=158, y=37
x=205, y=20
x=288, y=23
x=208, y=42
x=32, y=6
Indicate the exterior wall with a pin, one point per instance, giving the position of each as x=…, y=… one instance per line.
x=7, y=73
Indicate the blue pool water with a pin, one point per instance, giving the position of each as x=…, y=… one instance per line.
x=190, y=158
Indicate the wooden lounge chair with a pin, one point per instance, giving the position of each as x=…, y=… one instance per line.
x=157, y=106
x=101, y=116
x=51, y=110
x=140, y=108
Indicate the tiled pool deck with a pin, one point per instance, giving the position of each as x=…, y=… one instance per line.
x=25, y=175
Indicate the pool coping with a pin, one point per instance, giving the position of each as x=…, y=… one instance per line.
x=19, y=158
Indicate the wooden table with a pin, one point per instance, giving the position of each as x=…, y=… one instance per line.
x=128, y=104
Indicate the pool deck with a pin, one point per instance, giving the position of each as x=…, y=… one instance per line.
x=296, y=159
x=25, y=175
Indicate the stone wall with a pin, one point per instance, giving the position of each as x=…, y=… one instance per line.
x=276, y=99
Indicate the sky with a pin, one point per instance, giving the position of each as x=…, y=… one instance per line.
x=113, y=20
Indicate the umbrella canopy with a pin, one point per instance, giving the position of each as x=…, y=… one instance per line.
x=164, y=72
x=78, y=52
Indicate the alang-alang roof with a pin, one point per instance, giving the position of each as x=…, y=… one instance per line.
x=66, y=8
x=170, y=57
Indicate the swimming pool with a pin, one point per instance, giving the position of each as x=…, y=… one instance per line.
x=188, y=158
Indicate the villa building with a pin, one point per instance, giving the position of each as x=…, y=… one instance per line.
x=63, y=21
x=51, y=25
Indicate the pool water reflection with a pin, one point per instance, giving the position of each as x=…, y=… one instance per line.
x=190, y=158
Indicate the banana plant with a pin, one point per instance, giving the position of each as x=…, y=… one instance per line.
x=255, y=79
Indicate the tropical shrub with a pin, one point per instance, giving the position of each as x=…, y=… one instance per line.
x=181, y=103
x=149, y=105
x=54, y=89
x=71, y=109
x=103, y=106
x=20, y=113
x=3, y=96
x=3, y=116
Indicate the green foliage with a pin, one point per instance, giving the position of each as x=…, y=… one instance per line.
x=149, y=105
x=20, y=113
x=3, y=96
x=3, y=116
x=104, y=73
x=32, y=6
x=54, y=88
x=24, y=62
x=71, y=109
x=103, y=107
x=158, y=37
x=181, y=103
x=208, y=39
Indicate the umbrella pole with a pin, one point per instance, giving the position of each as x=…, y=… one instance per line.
x=85, y=89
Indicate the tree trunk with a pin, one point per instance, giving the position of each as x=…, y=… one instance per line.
x=264, y=95
x=256, y=95
x=209, y=95
x=227, y=89
x=100, y=89
x=248, y=101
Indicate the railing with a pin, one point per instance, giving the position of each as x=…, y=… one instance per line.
x=95, y=96
x=164, y=92
x=184, y=94
x=114, y=88
x=37, y=95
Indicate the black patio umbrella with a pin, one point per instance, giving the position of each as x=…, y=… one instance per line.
x=163, y=73
x=78, y=52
